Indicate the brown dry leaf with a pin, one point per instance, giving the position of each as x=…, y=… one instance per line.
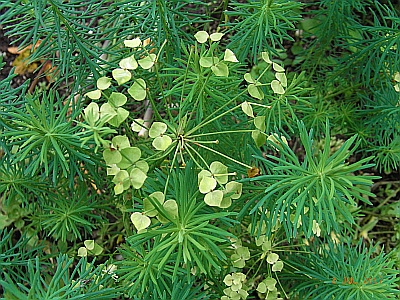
x=148, y=42
x=20, y=62
x=50, y=71
x=22, y=67
x=253, y=172
x=14, y=50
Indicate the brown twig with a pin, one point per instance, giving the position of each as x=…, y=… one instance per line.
x=147, y=119
x=35, y=81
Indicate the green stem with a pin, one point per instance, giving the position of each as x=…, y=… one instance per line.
x=198, y=154
x=201, y=142
x=192, y=157
x=261, y=105
x=220, y=132
x=172, y=164
x=342, y=91
x=252, y=267
x=205, y=122
x=384, y=202
x=183, y=158
x=157, y=155
x=280, y=284
x=381, y=232
x=160, y=84
x=223, y=155
x=184, y=83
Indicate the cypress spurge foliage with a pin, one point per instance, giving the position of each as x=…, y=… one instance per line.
x=176, y=234
x=317, y=188
x=70, y=215
x=261, y=25
x=44, y=133
x=83, y=280
x=341, y=271
x=15, y=254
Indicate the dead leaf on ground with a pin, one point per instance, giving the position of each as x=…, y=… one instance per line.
x=21, y=65
x=14, y=49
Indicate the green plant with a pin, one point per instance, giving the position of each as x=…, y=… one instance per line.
x=378, y=59
x=70, y=216
x=84, y=280
x=357, y=273
x=16, y=183
x=44, y=135
x=185, y=238
x=257, y=22
x=15, y=255
x=314, y=190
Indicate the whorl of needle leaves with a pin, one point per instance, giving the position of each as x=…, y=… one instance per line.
x=317, y=188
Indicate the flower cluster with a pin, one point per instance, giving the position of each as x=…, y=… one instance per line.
x=236, y=289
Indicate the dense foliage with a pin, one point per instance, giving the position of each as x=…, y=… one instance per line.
x=201, y=150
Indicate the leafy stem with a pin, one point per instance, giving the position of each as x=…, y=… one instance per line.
x=210, y=119
x=223, y=155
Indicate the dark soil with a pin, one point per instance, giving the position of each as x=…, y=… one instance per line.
x=6, y=57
